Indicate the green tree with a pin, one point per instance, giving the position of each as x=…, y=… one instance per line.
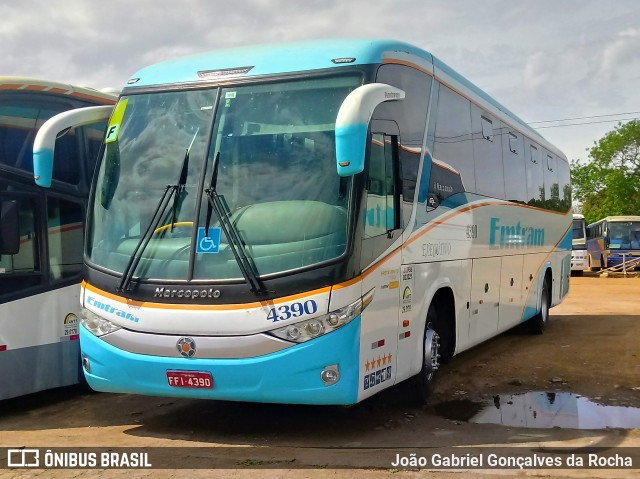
x=609, y=184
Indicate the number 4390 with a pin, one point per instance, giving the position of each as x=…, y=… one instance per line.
x=294, y=310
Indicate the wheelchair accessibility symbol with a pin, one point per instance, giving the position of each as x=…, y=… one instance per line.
x=208, y=243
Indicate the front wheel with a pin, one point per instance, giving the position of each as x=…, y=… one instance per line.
x=425, y=380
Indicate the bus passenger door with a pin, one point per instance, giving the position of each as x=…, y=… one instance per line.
x=485, y=298
x=380, y=260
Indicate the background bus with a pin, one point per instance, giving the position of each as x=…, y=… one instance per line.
x=277, y=227
x=579, y=256
x=611, y=239
x=41, y=235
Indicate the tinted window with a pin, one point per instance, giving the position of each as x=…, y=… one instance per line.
x=19, y=120
x=453, y=135
x=380, y=210
x=487, y=154
x=410, y=114
x=564, y=182
x=22, y=270
x=515, y=176
x=65, y=233
x=551, y=186
x=535, y=183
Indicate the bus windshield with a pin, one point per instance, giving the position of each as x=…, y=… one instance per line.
x=624, y=235
x=578, y=229
x=267, y=150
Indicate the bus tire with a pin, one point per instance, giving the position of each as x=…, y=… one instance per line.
x=425, y=380
x=537, y=324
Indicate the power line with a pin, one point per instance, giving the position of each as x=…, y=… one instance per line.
x=584, y=123
x=586, y=117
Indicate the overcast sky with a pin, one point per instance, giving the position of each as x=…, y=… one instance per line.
x=542, y=59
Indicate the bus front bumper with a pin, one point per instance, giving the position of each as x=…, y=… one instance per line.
x=288, y=376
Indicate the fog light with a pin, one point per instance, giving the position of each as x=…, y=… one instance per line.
x=330, y=375
x=86, y=364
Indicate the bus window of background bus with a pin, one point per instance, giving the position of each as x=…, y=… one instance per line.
x=22, y=270
x=19, y=121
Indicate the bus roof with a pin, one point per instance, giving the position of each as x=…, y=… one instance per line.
x=8, y=83
x=578, y=216
x=272, y=59
x=614, y=219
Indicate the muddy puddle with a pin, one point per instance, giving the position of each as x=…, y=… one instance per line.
x=542, y=410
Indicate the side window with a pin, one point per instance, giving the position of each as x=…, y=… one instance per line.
x=65, y=233
x=93, y=136
x=535, y=182
x=515, y=175
x=381, y=213
x=66, y=161
x=411, y=116
x=551, y=186
x=22, y=270
x=452, y=142
x=564, y=182
x=487, y=154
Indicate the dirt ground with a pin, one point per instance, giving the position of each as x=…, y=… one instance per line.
x=590, y=348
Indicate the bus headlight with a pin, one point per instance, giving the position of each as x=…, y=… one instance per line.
x=313, y=328
x=97, y=325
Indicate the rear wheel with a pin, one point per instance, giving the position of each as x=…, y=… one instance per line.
x=537, y=324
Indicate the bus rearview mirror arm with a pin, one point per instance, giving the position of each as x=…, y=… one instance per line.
x=352, y=124
x=45, y=141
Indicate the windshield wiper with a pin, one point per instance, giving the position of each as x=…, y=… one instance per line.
x=245, y=263
x=182, y=182
x=136, y=256
x=176, y=191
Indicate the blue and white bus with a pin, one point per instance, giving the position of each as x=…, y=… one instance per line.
x=41, y=235
x=313, y=223
x=612, y=240
x=579, y=255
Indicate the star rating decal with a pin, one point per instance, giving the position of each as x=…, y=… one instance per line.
x=378, y=362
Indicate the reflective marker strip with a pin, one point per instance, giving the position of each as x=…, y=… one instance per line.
x=72, y=337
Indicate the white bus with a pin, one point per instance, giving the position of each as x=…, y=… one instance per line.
x=579, y=255
x=41, y=236
x=271, y=224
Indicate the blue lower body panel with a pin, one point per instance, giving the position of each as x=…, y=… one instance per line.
x=288, y=376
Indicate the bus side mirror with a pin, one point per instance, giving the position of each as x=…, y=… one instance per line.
x=45, y=141
x=352, y=124
x=9, y=228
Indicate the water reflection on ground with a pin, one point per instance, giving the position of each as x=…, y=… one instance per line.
x=542, y=410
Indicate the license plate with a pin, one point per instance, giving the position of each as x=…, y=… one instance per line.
x=190, y=379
